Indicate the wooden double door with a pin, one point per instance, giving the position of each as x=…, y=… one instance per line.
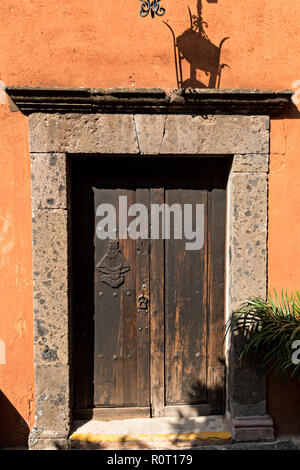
x=148, y=311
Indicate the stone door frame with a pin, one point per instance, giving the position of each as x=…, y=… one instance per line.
x=66, y=122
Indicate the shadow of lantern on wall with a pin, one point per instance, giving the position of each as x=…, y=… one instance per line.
x=195, y=47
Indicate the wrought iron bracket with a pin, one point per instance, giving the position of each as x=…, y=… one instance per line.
x=151, y=7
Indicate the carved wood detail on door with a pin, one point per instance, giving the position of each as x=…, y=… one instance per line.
x=113, y=265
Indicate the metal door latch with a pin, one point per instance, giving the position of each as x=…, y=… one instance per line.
x=143, y=302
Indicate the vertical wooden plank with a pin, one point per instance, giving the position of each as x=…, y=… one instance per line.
x=216, y=367
x=142, y=289
x=185, y=309
x=108, y=344
x=128, y=305
x=157, y=315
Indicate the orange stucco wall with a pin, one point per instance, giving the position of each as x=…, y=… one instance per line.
x=100, y=43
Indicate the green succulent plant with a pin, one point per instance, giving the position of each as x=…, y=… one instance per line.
x=269, y=327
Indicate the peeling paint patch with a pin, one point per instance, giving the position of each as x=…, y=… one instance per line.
x=2, y=93
x=6, y=240
x=2, y=352
x=21, y=328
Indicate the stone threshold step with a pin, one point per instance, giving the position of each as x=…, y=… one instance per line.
x=152, y=433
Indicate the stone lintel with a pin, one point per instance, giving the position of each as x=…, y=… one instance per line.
x=148, y=134
x=83, y=133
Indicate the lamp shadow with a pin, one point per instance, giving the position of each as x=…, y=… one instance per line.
x=195, y=47
x=14, y=430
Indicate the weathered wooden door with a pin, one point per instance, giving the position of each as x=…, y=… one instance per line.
x=149, y=313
